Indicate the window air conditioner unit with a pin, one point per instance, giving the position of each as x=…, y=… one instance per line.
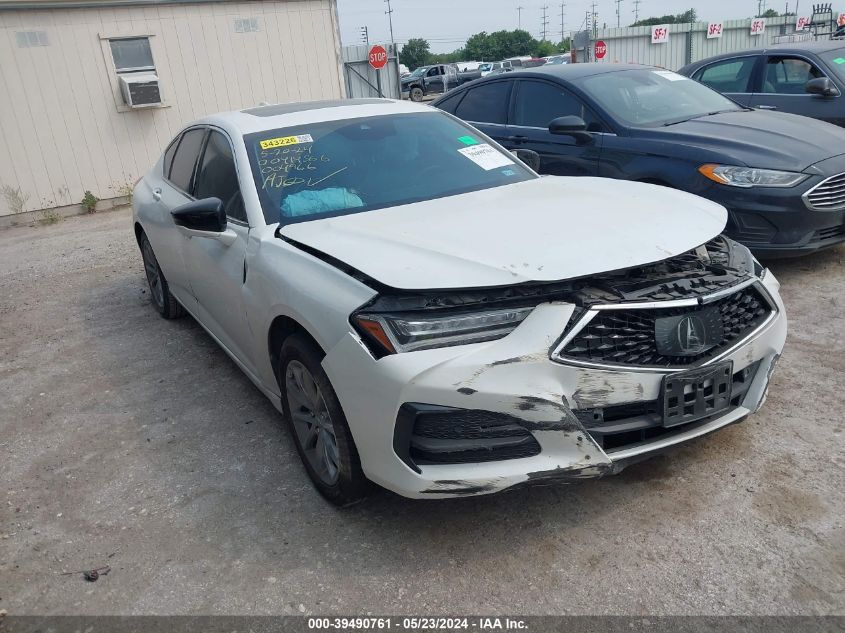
x=140, y=90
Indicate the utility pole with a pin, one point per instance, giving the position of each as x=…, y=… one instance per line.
x=519, y=18
x=637, y=10
x=562, y=14
x=365, y=35
x=545, y=24
x=389, y=14
x=595, y=19
x=618, y=16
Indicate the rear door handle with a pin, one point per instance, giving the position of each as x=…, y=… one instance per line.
x=157, y=194
x=766, y=107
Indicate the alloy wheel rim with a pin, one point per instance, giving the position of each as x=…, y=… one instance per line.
x=312, y=422
x=153, y=276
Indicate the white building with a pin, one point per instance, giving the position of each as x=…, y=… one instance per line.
x=93, y=90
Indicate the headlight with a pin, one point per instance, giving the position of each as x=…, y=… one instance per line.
x=749, y=176
x=409, y=332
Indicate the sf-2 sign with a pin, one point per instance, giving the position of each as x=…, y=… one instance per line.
x=714, y=29
x=660, y=34
x=601, y=49
x=378, y=57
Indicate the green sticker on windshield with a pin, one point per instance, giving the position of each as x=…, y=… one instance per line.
x=468, y=140
x=839, y=60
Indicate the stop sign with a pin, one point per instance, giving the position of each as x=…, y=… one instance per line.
x=378, y=57
x=601, y=49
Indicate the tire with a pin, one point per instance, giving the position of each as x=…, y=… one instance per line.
x=160, y=295
x=416, y=94
x=317, y=423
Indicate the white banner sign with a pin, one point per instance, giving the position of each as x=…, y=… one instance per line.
x=758, y=25
x=714, y=29
x=802, y=23
x=660, y=34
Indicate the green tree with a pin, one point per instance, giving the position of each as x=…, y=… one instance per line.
x=415, y=53
x=769, y=13
x=545, y=48
x=687, y=16
x=499, y=45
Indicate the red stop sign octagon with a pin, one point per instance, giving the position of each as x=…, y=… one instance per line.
x=378, y=57
x=601, y=49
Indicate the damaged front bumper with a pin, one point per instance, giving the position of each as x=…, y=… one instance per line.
x=539, y=417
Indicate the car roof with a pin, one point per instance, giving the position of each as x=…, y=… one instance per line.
x=807, y=46
x=818, y=46
x=270, y=117
x=570, y=72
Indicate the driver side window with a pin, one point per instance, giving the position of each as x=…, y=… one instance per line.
x=788, y=75
x=218, y=178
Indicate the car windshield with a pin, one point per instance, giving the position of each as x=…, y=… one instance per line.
x=485, y=67
x=419, y=72
x=653, y=97
x=835, y=60
x=336, y=168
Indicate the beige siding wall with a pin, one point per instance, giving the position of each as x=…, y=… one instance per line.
x=63, y=126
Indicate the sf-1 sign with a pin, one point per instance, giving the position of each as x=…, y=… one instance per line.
x=758, y=25
x=660, y=34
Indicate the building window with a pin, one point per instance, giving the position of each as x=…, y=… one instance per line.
x=27, y=39
x=132, y=54
x=246, y=25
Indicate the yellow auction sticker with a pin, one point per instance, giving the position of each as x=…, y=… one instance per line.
x=286, y=140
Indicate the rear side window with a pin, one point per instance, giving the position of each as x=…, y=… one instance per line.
x=168, y=157
x=728, y=75
x=449, y=104
x=218, y=178
x=185, y=159
x=487, y=103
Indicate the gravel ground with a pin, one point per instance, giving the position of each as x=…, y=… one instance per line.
x=133, y=442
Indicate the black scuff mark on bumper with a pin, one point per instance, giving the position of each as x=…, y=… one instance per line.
x=467, y=391
x=565, y=422
x=460, y=487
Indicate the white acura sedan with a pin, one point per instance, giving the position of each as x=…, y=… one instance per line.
x=430, y=315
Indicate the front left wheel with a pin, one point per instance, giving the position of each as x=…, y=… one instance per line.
x=166, y=304
x=318, y=425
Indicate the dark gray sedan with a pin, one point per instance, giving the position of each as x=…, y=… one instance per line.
x=806, y=78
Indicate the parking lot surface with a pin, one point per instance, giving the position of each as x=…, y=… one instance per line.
x=134, y=442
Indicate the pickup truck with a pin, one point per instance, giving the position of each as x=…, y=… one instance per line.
x=427, y=80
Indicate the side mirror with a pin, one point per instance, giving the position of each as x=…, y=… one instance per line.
x=821, y=86
x=529, y=157
x=201, y=215
x=573, y=126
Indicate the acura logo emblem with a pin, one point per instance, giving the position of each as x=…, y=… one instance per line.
x=691, y=334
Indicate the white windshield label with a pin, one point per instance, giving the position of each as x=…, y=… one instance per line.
x=485, y=156
x=668, y=74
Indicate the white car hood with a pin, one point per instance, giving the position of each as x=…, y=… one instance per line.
x=546, y=229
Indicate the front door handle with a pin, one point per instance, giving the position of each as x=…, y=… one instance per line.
x=767, y=107
x=157, y=194
x=517, y=138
